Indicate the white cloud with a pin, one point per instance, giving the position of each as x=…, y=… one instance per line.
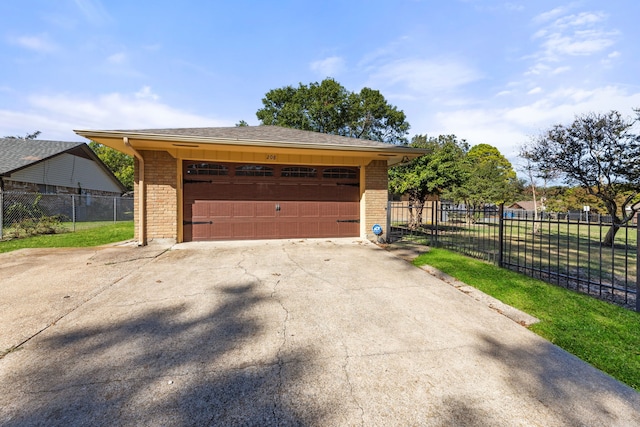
x=535, y=90
x=328, y=67
x=94, y=11
x=537, y=70
x=580, y=43
x=57, y=115
x=40, y=43
x=579, y=34
x=421, y=76
x=508, y=127
x=146, y=93
x=550, y=15
x=561, y=70
x=579, y=20
x=117, y=58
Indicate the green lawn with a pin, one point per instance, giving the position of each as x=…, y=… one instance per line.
x=96, y=236
x=563, y=249
x=602, y=334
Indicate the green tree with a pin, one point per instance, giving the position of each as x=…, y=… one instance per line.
x=491, y=177
x=33, y=135
x=441, y=169
x=327, y=107
x=119, y=163
x=599, y=153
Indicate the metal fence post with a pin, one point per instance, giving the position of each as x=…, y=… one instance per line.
x=638, y=262
x=501, y=235
x=438, y=211
x=388, y=230
x=115, y=210
x=73, y=211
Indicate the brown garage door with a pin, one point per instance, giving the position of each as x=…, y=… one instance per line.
x=228, y=201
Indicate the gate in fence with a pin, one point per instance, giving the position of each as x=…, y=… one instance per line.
x=562, y=249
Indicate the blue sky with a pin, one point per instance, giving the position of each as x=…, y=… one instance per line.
x=489, y=71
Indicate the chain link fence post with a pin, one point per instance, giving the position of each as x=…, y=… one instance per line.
x=1, y=213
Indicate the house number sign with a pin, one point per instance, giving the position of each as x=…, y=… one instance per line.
x=271, y=157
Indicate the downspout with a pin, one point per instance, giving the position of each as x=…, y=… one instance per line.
x=142, y=233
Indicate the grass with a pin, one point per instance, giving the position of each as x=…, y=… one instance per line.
x=564, y=249
x=100, y=235
x=602, y=334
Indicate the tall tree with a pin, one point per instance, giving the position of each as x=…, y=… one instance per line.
x=491, y=178
x=441, y=169
x=328, y=107
x=119, y=163
x=600, y=153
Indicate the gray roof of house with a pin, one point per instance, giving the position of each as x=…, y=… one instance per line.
x=526, y=205
x=263, y=133
x=18, y=153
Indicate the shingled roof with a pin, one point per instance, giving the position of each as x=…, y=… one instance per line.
x=16, y=154
x=261, y=133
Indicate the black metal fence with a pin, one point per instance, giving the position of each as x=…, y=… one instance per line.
x=564, y=249
x=71, y=211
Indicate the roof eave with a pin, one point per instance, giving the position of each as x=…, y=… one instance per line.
x=176, y=140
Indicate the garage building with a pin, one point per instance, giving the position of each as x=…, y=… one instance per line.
x=255, y=182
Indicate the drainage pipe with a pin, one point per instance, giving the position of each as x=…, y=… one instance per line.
x=142, y=211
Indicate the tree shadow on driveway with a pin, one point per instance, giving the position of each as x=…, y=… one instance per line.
x=184, y=363
x=577, y=393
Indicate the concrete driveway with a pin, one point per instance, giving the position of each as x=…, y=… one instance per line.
x=313, y=333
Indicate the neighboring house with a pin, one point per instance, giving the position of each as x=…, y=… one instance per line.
x=54, y=167
x=255, y=182
x=525, y=205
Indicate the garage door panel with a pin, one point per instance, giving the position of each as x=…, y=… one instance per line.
x=289, y=209
x=261, y=220
x=349, y=209
x=222, y=210
x=348, y=228
x=265, y=209
x=330, y=210
x=271, y=205
x=310, y=210
x=243, y=210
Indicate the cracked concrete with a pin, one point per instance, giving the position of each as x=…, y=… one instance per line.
x=317, y=332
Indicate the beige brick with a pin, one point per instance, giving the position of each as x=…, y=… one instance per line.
x=161, y=195
x=375, y=197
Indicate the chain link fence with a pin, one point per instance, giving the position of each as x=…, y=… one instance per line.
x=24, y=214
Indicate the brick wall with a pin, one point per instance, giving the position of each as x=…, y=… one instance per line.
x=161, y=195
x=375, y=197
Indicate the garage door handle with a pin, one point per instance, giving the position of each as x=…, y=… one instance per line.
x=196, y=222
